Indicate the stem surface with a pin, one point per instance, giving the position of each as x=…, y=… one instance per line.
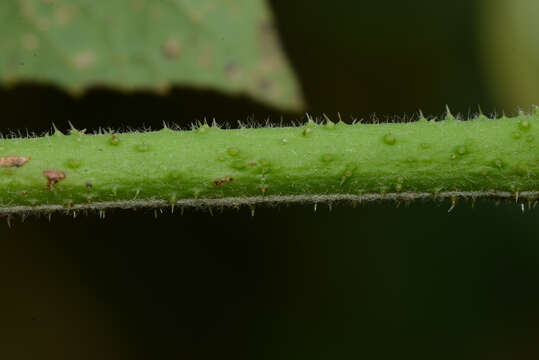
x=314, y=162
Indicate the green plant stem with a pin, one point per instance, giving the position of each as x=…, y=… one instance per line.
x=314, y=162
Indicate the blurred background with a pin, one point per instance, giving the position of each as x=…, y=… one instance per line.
x=376, y=281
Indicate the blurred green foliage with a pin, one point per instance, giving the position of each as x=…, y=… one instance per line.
x=139, y=44
x=510, y=44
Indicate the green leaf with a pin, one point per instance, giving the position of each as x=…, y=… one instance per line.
x=510, y=37
x=230, y=46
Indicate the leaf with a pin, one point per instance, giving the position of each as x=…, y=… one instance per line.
x=511, y=47
x=230, y=46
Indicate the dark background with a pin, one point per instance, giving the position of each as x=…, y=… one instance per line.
x=377, y=281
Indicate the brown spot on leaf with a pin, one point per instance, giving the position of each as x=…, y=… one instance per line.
x=268, y=38
x=84, y=60
x=64, y=14
x=233, y=71
x=172, y=48
x=43, y=24
x=206, y=57
x=11, y=161
x=30, y=42
x=223, y=181
x=264, y=85
x=138, y=4
x=252, y=163
x=53, y=177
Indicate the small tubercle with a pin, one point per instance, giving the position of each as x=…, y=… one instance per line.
x=389, y=139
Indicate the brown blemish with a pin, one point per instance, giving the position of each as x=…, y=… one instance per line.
x=252, y=163
x=64, y=14
x=265, y=85
x=138, y=4
x=223, y=181
x=172, y=48
x=84, y=60
x=11, y=161
x=30, y=42
x=43, y=24
x=268, y=38
x=53, y=177
x=156, y=13
x=205, y=58
x=233, y=71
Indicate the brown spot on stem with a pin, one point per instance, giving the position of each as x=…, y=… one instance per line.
x=11, y=161
x=53, y=177
x=223, y=181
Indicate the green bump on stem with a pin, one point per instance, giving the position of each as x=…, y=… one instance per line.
x=524, y=125
x=462, y=158
x=461, y=150
x=233, y=151
x=142, y=147
x=73, y=163
x=390, y=139
x=326, y=158
x=307, y=132
x=114, y=140
x=498, y=163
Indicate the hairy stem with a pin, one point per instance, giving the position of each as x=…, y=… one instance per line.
x=314, y=162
